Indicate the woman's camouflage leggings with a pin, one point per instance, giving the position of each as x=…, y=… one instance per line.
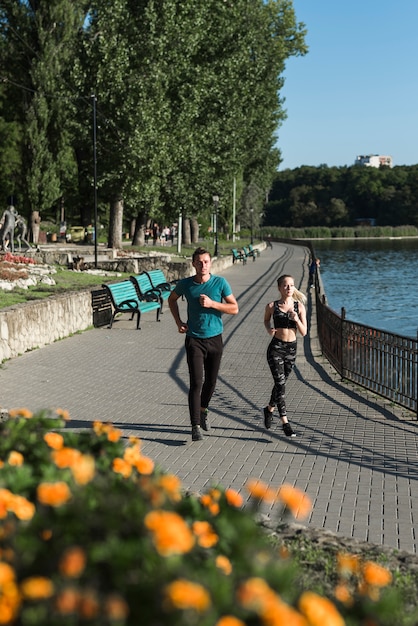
x=281, y=356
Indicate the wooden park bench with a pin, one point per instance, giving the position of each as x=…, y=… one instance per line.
x=238, y=256
x=125, y=299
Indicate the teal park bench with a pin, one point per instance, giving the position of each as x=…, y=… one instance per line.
x=145, y=289
x=125, y=299
x=159, y=281
x=238, y=256
x=255, y=250
x=248, y=252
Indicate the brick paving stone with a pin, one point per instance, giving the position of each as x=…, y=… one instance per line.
x=355, y=454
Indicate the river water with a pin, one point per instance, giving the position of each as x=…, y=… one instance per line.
x=375, y=280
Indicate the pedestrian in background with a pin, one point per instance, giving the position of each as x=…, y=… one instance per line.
x=315, y=263
x=208, y=297
x=289, y=317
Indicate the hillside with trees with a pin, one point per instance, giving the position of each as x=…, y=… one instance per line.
x=149, y=106
x=343, y=196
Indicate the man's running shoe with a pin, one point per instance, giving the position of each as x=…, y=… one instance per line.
x=288, y=430
x=268, y=417
x=204, y=422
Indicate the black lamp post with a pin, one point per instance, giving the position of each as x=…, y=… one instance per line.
x=252, y=226
x=215, y=199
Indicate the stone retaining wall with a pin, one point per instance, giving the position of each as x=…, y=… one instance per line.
x=31, y=325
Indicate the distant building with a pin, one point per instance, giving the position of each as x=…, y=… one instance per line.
x=373, y=160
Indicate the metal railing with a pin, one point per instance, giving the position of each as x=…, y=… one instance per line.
x=383, y=362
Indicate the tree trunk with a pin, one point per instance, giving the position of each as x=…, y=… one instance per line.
x=194, y=230
x=186, y=231
x=115, y=223
x=138, y=238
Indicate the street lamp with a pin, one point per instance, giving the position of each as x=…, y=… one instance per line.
x=215, y=199
x=252, y=227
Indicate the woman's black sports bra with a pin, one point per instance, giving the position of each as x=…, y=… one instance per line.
x=282, y=320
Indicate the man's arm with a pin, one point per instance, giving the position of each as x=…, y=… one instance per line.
x=174, y=308
x=229, y=305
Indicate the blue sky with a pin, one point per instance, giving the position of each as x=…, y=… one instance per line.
x=356, y=91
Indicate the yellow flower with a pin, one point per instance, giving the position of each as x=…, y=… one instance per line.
x=53, y=494
x=15, y=458
x=183, y=594
x=37, y=588
x=224, y=564
x=54, y=440
x=122, y=467
x=296, y=500
x=319, y=611
x=376, y=575
x=84, y=470
x=72, y=562
x=260, y=491
x=170, y=533
x=234, y=498
x=206, y=536
x=20, y=413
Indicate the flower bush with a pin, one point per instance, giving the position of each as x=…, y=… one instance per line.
x=92, y=532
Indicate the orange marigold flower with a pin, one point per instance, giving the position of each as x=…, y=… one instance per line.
x=72, y=562
x=46, y=534
x=215, y=494
x=114, y=435
x=319, y=611
x=209, y=504
x=132, y=454
x=1, y=463
x=7, y=574
x=84, y=470
x=224, y=564
x=22, y=508
x=54, y=440
x=122, y=467
x=66, y=457
x=296, y=500
x=206, y=536
x=53, y=494
x=183, y=594
x=63, y=413
x=260, y=491
x=37, y=588
x=171, y=485
x=170, y=533
x=254, y=593
x=144, y=465
x=67, y=601
x=229, y=620
x=116, y=608
x=134, y=440
x=376, y=575
x=10, y=600
x=89, y=605
x=20, y=413
x=343, y=594
x=15, y=458
x=234, y=498
x=348, y=564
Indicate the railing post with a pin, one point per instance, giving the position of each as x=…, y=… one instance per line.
x=342, y=348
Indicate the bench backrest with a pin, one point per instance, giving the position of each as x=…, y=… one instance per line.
x=122, y=292
x=158, y=278
x=143, y=283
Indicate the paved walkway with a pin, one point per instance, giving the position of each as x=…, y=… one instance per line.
x=353, y=455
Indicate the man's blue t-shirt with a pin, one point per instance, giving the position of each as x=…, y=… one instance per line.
x=203, y=323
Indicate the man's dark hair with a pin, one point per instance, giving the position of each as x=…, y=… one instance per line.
x=200, y=251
